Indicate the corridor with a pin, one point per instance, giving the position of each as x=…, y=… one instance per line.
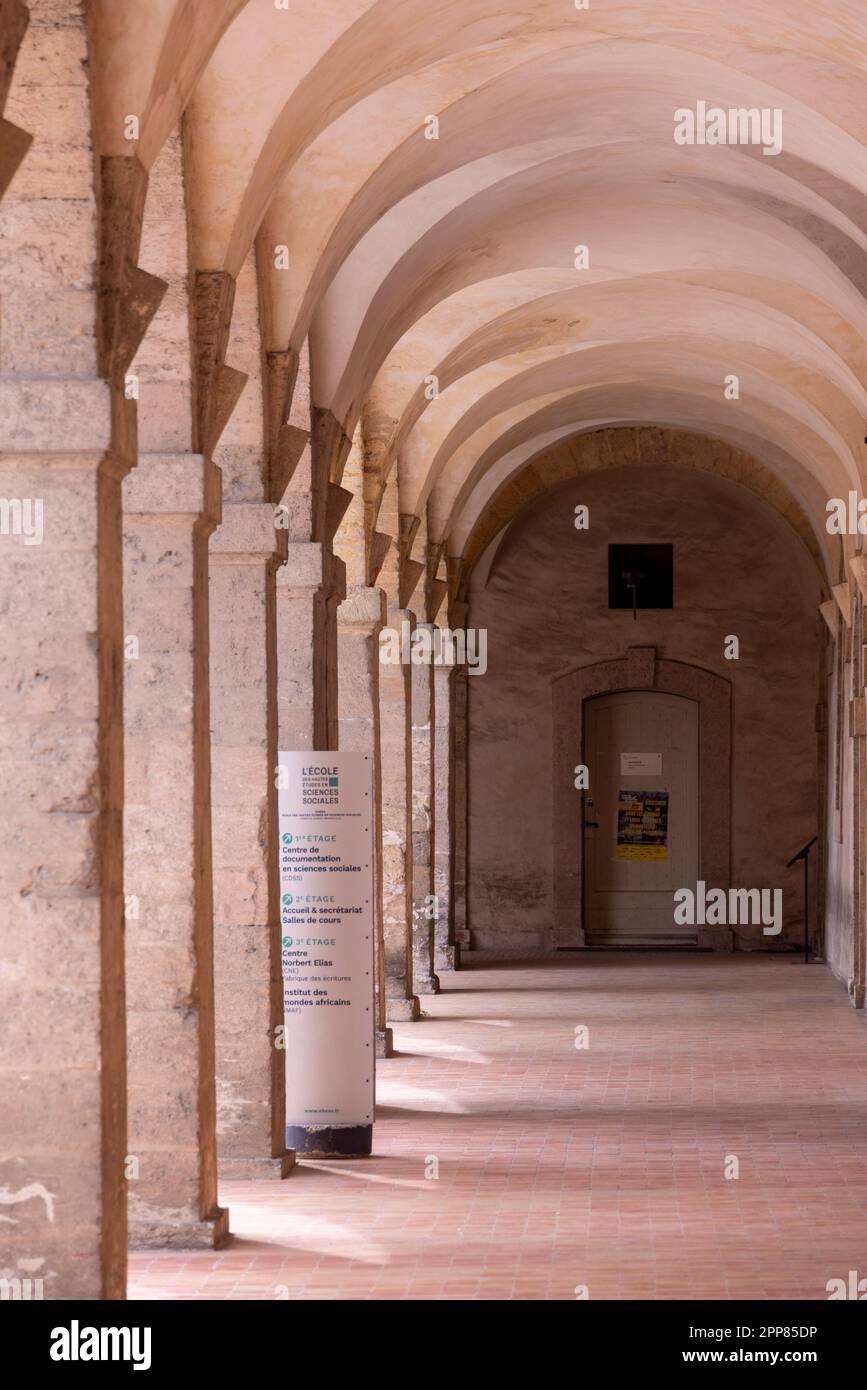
x=433, y=708
x=562, y=1167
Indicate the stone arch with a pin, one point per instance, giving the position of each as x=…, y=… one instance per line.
x=615, y=446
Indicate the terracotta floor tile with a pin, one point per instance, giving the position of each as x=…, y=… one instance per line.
x=560, y=1168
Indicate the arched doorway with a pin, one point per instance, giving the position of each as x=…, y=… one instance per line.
x=641, y=816
x=641, y=672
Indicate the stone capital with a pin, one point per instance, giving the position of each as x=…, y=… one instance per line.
x=51, y=415
x=310, y=568
x=305, y=568
x=14, y=463
x=443, y=674
x=246, y=535
x=169, y=485
x=396, y=616
x=363, y=610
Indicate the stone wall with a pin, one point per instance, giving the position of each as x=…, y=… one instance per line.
x=739, y=570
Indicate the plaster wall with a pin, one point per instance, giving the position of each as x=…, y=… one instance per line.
x=739, y=570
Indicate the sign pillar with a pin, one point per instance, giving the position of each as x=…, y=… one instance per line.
x=326, y=916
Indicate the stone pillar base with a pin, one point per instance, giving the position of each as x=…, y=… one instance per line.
x=195, y=1234
x=266, y=1168
x=448, y=958
x=403, y=1010
x=384, y=1042
x=427, y=985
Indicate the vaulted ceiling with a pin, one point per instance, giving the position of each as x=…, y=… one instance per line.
x=432, y=264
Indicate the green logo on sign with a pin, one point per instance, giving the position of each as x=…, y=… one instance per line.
x=287, y=898
x=287, y=839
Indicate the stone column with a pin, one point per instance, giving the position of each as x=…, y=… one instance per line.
x=424, y=979
x=302, y=647
x=249, y=1002
x=62, y=1055
x=63, y=1082
x=445, y=952
x=459, y=878
x=396, y=741
x=336, y=596
x=360, y=618
x=857, y=724
x=170, y=506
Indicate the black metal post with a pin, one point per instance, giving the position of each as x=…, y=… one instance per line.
x=804, y=854
x=807, y=908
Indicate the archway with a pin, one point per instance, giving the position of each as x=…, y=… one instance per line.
x=639, y=669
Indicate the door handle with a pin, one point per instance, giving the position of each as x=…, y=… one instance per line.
x=591, y=824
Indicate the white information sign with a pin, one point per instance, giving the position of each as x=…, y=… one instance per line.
x=639, y=764
x=326, y=915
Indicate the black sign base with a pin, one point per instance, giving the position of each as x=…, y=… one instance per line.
x=330, y=1141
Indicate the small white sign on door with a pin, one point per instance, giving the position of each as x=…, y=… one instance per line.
x=641, y=764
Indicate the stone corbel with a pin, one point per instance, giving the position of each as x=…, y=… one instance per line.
x=331, y=445
x=217, y=387
x=409, y=571
x=829, y=611
x=436, y=597
x=454, y=577
x=14, y=142
x=337, y=503
x=458, y=611
x=858, y=566
x=128, y=296
x=286, y=442
x=435, y=589
x=843, y=596
x=378, y=548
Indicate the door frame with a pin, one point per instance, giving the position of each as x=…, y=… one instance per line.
x=639, y=669
x=687, y=710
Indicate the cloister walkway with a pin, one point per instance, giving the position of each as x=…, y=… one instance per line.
x=511, y=1164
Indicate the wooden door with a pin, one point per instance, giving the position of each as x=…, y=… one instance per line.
x=641, y=832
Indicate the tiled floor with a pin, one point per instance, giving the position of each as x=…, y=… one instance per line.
x=561, y=1167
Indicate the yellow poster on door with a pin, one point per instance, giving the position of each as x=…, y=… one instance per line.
x=642, y=825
